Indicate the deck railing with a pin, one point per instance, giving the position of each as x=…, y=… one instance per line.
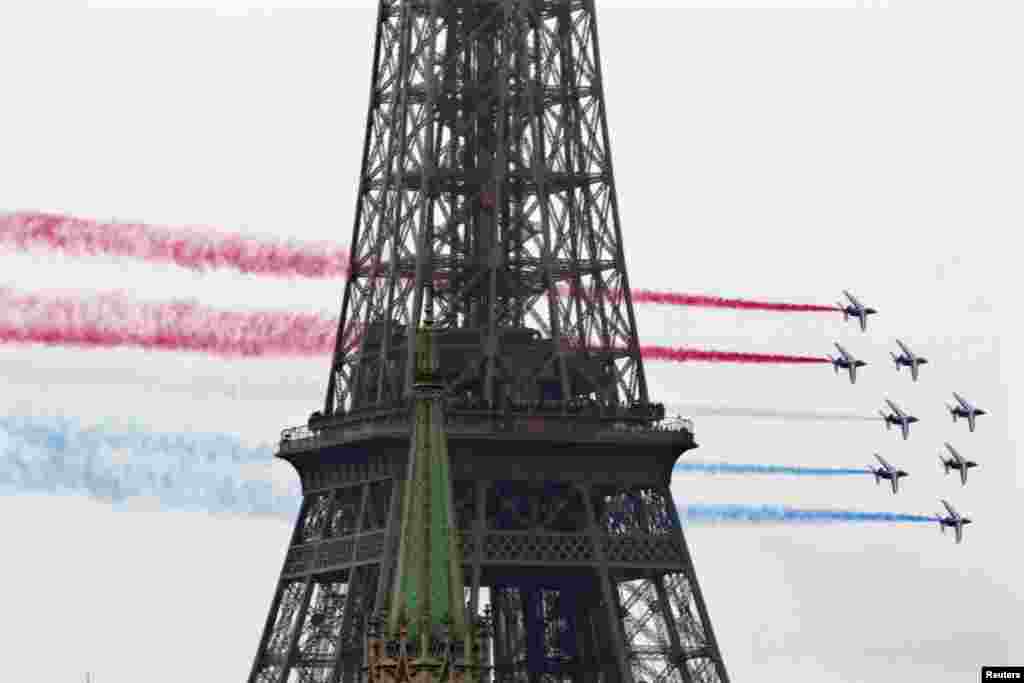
x=397, y=422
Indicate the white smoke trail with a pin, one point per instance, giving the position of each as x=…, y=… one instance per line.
x=701, y=410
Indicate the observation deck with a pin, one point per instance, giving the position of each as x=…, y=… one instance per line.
x=517, y=442
x=565, y=425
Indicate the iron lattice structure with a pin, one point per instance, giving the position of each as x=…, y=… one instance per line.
x=486, y=169
x=487, y=188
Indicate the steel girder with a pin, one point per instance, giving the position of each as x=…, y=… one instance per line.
x=539, y=555
x=487, y=172
x=487, y=176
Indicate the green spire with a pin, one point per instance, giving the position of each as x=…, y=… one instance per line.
x=428, y=589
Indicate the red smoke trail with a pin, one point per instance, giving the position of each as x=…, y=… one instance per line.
x=643, y=296
x=646, y=296
x=682, y=355
x=197, y=249
x=205, y=249
x=113, y=319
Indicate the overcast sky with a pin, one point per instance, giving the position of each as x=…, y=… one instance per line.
x=780, y=155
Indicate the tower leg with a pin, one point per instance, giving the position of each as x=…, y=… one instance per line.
x=611, y=603
x=693, y=588
x=673, y=632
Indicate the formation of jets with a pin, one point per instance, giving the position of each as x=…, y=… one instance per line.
x=897, y=417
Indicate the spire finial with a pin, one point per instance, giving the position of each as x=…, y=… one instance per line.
x=429, y=312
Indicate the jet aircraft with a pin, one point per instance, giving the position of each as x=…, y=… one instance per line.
x=848, y=362
x=957, y=462
x=887, y=471
x=965, y=409
x=908, y=359
x=898, y=417
x=856, y=310
x=954, y=520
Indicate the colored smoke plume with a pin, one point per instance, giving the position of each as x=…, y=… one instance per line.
x=209, y=472
x=647, y=296
x=204, y=249
x=200, y=249
x=643, y=296
x=728, y=468
x=113, y=319
x=771, y=514
x=683, y=355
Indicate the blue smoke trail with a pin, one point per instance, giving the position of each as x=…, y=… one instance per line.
x=206, y=472
x=180, y=471
x=727, y=468
x=763, y=514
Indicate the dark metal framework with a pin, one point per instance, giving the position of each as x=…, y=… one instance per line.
x=583, y=580
x=486, y=174
x=486, y=169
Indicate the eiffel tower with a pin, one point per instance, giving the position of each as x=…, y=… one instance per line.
x=487, y=212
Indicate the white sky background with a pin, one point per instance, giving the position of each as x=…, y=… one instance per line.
x=781, y=155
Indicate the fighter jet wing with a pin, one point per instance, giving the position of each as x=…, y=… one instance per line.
x=907, y=351
x=853, y=299
x=843, y=352
x=963, y=402
x=952, y=451
x=886, y=465
x=895, y=408
x=952, y=512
